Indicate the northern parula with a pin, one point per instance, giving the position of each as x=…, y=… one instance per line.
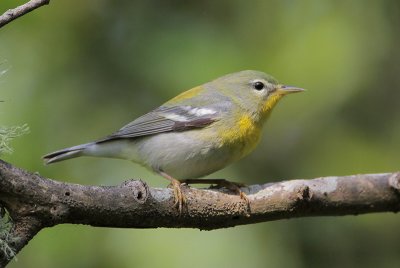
x=194, y=134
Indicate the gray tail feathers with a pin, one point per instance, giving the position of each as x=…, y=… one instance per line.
x=65, y=154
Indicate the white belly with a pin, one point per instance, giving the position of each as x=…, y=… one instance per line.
x=182, y=155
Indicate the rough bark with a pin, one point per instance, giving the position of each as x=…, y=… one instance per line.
x=35, y=202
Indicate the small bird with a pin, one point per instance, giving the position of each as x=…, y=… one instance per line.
x=194, y=134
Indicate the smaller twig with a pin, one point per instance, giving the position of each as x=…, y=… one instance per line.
x=17, y=12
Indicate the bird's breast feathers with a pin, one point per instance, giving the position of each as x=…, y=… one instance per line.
x=244, y=136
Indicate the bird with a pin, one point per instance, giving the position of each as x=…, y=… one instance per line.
x=194, y=134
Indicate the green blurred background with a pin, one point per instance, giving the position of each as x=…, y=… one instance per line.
x=78, y=70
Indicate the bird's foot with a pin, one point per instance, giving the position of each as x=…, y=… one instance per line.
x=179, y=197
x=219, y=183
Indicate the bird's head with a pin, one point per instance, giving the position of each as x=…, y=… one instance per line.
x=254, y=91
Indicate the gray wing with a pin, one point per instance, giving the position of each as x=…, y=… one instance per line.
x=166, y=119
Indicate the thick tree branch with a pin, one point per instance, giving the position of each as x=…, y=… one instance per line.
x=35, y=202
x=17, y=12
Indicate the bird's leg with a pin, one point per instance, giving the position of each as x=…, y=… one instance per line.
x=230, y=185
x=180, y=198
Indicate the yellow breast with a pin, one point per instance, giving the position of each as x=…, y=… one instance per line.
x=244, y=136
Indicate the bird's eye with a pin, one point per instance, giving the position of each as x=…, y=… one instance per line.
x=258, y=85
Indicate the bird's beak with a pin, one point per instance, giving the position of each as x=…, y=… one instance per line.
x=283, y=90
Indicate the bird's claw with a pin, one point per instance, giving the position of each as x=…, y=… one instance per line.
x=235, y=187
x=179, y=197
x=244, y=197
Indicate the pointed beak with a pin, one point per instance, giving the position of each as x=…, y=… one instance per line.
x=282, y=89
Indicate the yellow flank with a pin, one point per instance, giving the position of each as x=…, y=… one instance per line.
x=246, y=134
x=187, y=94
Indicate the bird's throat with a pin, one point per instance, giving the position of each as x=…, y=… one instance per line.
x=269, y=105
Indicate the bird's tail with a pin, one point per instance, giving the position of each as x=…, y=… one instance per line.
x=65, y=154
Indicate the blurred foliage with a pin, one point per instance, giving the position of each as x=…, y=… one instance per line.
x=79, y=70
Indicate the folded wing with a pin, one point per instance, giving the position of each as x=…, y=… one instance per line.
x=166, y=119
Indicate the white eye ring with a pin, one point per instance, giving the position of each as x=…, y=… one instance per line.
x=258, y=85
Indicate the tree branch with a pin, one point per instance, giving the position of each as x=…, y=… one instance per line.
x=35, y=202
x=17, y=12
